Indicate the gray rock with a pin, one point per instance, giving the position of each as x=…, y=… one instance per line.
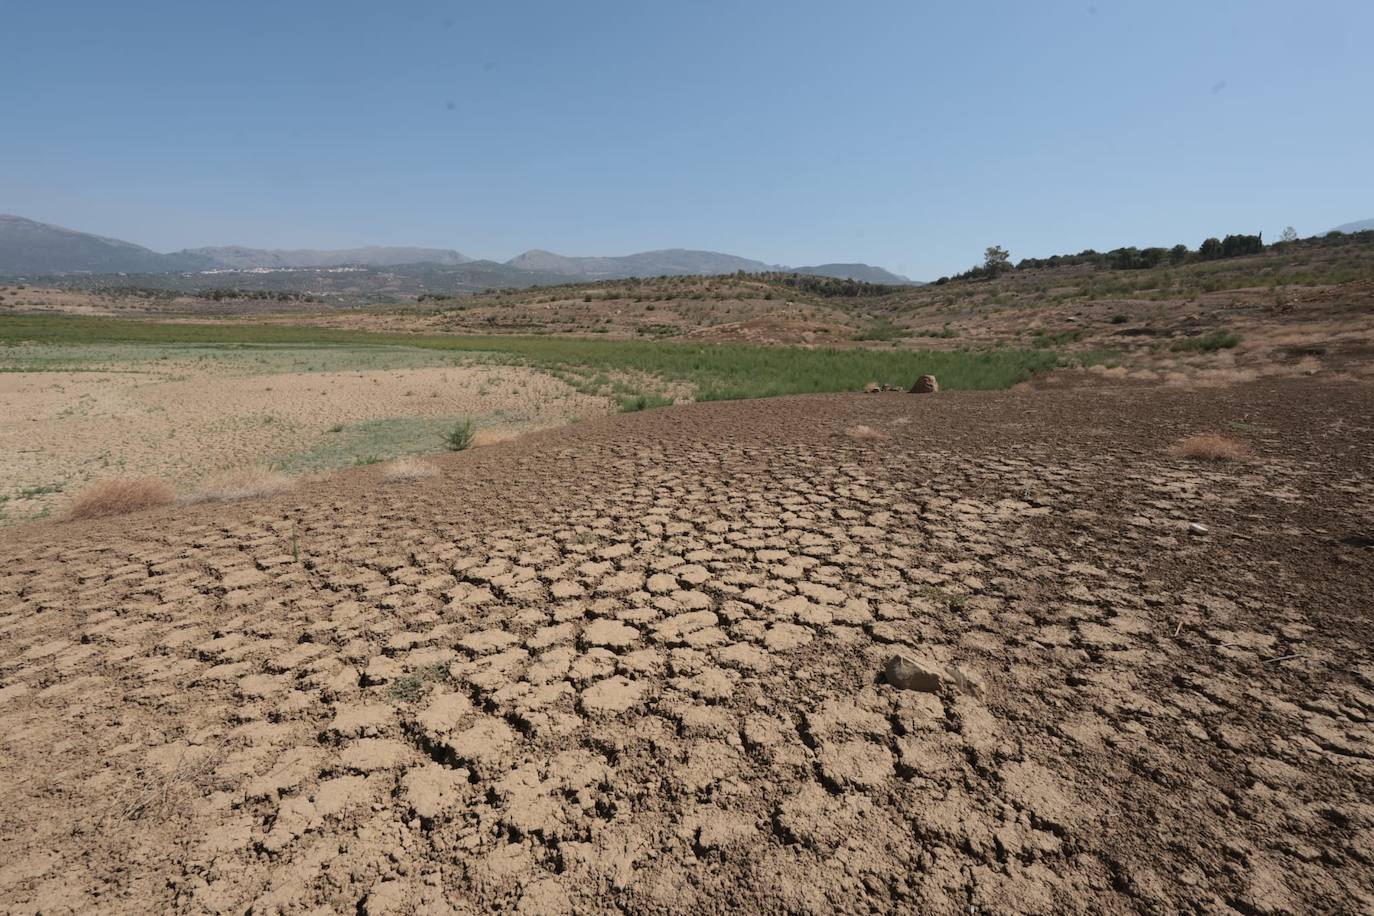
x=910, y=673
x=926, y=384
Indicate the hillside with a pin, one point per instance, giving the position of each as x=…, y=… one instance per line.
x=30, y=247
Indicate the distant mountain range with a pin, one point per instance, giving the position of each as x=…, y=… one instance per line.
x=1360, y=226
x=233, y=256
x=670, y=261
x=865, y=272
x=33, y=249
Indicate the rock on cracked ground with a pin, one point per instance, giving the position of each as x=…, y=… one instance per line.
x=636, y=666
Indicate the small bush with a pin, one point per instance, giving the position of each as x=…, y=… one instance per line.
x=1119, y=318
x=243, y=483
x=119, y=497
x=414, y=686
x=460, y=437
x=408, y=469
x=1207, y=343
x=1210, y=447
x=643, y=402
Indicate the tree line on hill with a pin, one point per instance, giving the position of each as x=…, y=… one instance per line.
x=996, y=260
x=825, y=286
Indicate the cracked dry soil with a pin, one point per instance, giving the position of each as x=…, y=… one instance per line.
x=635, y=666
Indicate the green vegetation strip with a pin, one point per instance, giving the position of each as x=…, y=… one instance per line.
x=719, y=372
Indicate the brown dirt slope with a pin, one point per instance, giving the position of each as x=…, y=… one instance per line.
x=634, y=666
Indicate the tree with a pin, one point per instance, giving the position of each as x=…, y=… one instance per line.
x=1153, y=257
x=1125, y=258
x=996, y=260
x=1178, y=254
x=1289, y=235
x=1210, y=249
x=1236, y=245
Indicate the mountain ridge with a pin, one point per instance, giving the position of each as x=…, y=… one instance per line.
x=868, y=273
x=31, y=248
x=1357, y=226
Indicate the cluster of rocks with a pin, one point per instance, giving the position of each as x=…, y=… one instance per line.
x=926, y=384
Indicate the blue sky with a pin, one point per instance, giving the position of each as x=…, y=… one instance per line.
x=906, y=134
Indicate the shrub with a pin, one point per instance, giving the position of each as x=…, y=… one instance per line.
x=460, y=437
x=1207, y=343
x=643, y=402
x=119, y=497
x=883, y=331
x=242, y=483
x=1210, y=447
x=408, y=469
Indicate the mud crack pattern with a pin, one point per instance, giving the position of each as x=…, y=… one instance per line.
x=635, y=666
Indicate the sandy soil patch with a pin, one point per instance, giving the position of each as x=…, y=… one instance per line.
x=184, y=420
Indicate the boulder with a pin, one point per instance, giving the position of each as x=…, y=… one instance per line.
x=926, y=384
x=872, y=388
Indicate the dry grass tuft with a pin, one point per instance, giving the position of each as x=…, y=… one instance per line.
x=865, y=433
x=408, y=469
x=1210, y=447
x=243, y=483
x=119, y=497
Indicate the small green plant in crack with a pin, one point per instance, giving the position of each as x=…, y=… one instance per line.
x=413, y=686
x=952, y=600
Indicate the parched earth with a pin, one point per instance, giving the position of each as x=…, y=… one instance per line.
x=184, y=419
x=637, y=665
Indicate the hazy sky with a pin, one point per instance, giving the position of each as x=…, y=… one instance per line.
x=908, y=134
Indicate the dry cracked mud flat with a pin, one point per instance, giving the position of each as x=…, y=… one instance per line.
x=636, y=666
